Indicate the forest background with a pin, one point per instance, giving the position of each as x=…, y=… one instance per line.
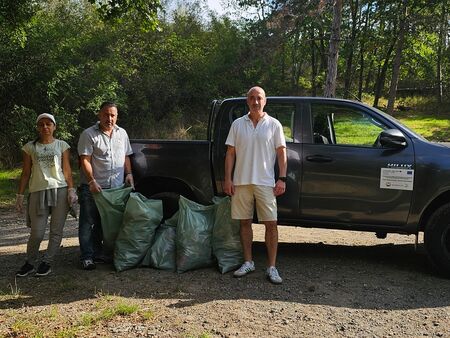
x=164, y=62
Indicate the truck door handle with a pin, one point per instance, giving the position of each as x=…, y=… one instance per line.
x=319, y=158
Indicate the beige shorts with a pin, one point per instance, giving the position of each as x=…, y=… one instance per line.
x=244, y=198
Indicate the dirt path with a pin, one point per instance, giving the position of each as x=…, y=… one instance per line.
x=336, y=283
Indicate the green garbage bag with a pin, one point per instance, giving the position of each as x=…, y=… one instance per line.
x=141, y=218
x=226, y=240
x=162, y=254
x=194, y=232
x=111, y=205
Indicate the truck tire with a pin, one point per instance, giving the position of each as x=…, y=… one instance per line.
x=170, y=202
x=437, y=239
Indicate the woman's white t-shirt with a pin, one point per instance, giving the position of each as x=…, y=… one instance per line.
x=46, y=168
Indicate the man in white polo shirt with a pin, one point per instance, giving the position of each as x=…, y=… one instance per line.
x=255, y=142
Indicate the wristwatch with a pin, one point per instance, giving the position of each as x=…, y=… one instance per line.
x=282, y=178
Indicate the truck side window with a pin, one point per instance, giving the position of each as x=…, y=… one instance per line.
x=282, y=112
x=343, y=125
x=285, y=114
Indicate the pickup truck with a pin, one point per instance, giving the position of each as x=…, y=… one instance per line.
x=350, y=166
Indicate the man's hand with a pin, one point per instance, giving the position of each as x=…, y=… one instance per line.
x=72, y=197
x=228, y=187
x=280, y=188
x=129, y=181
x=19, y=203
x=94, y=187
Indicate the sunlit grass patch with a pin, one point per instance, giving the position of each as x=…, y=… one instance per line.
x=56, y=321
x=25, y=328
x=70, y=332
x=108, y=307
x=435, y=128
x=13, y=292
x=8, y=185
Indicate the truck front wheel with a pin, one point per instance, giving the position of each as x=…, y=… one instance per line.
x=437, y=239
x=170, y=202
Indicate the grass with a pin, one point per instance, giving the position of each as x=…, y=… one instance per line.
x=54, y=322
x=421, y=114
x=8, y=186
x=432, y=128
x=9, y=183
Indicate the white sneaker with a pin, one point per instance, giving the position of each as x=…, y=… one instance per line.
x=273, y=276
x=245, y=268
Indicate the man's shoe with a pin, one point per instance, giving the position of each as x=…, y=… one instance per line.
x=43, y=269
x=245, y=268
x=25, y=270
x=273, y=276
x=88, y=264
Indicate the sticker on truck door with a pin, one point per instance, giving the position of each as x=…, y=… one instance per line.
x=397, y=179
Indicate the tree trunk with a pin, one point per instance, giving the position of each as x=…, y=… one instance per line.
x=361, y=72
x=313, y=63
x=349, y=64
x=363, y=38
x=398, y=57
x=330, y=83
x=381, y=77
x=441, y=43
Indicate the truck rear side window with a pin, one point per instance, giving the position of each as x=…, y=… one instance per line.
x=282, y=112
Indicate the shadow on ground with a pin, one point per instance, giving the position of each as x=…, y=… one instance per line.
x=386, y=276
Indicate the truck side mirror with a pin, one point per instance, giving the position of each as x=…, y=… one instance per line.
x=392, y=138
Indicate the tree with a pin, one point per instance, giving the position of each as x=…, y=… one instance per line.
x=14, y=16
x=354, y=5
x=144, y=10
x=398, y=56
x=333, y=55
x=443, y=31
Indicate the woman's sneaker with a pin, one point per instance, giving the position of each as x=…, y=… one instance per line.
x=245, y=268
x=273, y=276
x=25, y=270
x=43, y=269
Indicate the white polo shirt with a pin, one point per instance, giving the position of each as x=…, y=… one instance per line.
x=255, y=149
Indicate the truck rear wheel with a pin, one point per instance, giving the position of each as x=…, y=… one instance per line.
x=170, y=202
x=437, y=239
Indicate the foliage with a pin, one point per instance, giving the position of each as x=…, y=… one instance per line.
x=14, y=17
x=67, y=56
x=143, y=10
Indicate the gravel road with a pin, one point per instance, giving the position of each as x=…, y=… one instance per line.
x=336, y=284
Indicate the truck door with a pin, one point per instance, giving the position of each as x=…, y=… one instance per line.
x=344, y=164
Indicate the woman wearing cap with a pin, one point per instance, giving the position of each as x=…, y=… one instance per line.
x=46, y=167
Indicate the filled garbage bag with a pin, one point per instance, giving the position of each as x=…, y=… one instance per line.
x=162, y=254
x=141, y=218
x=111, y=205
x=194, y=232
x=226, y=241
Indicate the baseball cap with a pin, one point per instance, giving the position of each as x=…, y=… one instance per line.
x=46, y=116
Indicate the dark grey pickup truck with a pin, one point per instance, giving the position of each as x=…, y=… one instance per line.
x=350, y=166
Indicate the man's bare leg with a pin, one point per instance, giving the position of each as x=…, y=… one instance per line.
x=271, y=238
x=246, y=233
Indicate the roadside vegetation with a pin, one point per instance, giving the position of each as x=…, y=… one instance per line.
x=66, y=57
x=52, y=322
x=425, y=118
